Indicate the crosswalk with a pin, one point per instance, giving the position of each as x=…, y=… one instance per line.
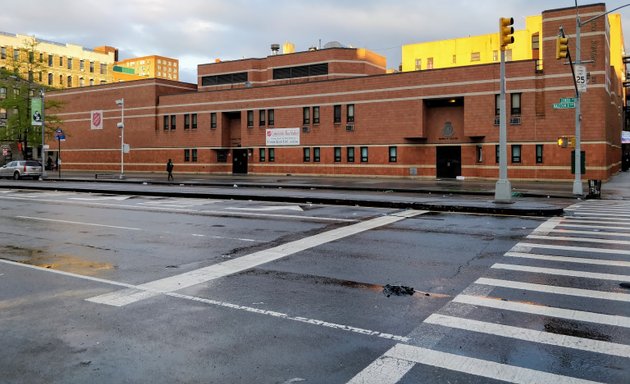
x=554, y=309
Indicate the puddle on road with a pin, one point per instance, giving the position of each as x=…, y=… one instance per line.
x=61, y=262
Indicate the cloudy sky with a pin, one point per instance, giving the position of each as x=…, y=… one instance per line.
x=199, y=31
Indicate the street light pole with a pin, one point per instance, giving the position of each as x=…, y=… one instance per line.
x=121, y=125
x=42, y=93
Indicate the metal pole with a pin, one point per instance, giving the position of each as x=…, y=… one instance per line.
x=59, y=157
x=503, y=189
x=122, y=139
x=41, y=92
x=577, y=183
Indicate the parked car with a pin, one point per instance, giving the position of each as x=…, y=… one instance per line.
x=21, y=168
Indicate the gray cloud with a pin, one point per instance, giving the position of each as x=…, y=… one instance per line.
x=198, y=31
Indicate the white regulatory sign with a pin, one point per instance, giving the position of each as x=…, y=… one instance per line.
x=580, y=77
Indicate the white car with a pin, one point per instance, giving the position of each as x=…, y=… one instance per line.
x=21, y=168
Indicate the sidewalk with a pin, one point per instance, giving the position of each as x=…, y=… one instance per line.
x=530, y=198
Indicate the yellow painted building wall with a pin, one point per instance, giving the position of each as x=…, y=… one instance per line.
x=87, y=67
x=473, y=50
x=153, y=67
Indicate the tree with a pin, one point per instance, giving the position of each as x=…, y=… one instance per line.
x=19, y=84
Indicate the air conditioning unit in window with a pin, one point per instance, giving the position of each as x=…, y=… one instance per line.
x=349, y=127
x=306, y=129
x=515, y=120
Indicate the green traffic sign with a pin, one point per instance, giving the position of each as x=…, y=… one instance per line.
x=567, y=100
x=563, y=105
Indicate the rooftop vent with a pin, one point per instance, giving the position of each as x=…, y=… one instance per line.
x=275, y=48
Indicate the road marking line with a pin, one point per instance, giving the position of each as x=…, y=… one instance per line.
x=541, y=337
x=579, y=239
x=285, y=316
x=561, y=272
x=547, y=226
x=229, y=267
x=131, y=287
x=393, y=371
x=591, y=317
x=602, y=215
x=78, y=223
x=521, y=246
x=555, y=289
x=580, y=260
x=269, y=208
x=593, y=226
x=597, y=233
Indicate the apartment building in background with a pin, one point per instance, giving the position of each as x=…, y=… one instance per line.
x=146, y=67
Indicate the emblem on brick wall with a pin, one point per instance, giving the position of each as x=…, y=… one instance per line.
x=448, y=129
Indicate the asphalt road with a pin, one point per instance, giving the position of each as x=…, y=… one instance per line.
x=120, y=288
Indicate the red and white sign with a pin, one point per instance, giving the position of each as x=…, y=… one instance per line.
x=96, y=120
x=282, y=136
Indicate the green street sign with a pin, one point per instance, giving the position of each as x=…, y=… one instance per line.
x=563, y=105
x=567, y=100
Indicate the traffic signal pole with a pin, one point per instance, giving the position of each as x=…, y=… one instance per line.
x=503, y=188
x=577, y=182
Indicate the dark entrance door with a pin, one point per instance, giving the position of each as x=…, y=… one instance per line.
x=239, y=161
x=448, y=162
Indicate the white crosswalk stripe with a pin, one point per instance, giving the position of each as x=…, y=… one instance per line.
x=560, y=289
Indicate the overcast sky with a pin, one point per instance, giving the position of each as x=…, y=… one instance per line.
x=199, y=31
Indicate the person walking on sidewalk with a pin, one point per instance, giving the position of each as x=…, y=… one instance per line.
x=169, y=169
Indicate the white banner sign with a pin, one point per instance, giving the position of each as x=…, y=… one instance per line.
x=580, y=77
x=96, y=120
x=283, y=136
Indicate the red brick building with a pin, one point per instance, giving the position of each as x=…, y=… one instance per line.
x=337, y=112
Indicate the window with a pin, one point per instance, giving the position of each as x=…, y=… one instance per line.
x=82, y=65
x=16, y=92
x=300, y=71
x=337, y=151
x=539, y=153
x=496, y=154
x=224, y=79
x=272, y=155
x=61, y=80
x=194, y=120
x=364, y=154
x=16, y=54
x=350, y=154
x=213, y=120
x=516, y=153
x=3, y=93
x=186, y=155
x=429, y=63
x=271, y=119
x=307, y=155
x=454, y=59
x=261, y=118
x=250, y=119
x=222, y=155
x=3, y=53
x=261, y=155
x=350, y=113
x=495, y=55
x=50, y=79
x=103, y=69
x=69, y=62
x=337, y=114
x=306, y=115
x=61, y=61
x=393, y=154
x=50, y=60
x=91, y=82
x=69, y=81
x=516, y=104
x=186, y=121
x=475, y=56
x=479, y=153
x=497, y=102
x=91, y=67
x=315, y=115
x=173, y=122
x=418, y=64
x=194, y=155
x=166, y=119
x=536, y=41
x=3, y=113
x=316, y=154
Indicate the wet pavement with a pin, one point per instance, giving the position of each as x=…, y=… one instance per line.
x=529, y=198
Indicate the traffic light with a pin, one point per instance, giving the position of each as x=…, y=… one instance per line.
x=506, y=31
x=563, y=141
x=562, y=47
